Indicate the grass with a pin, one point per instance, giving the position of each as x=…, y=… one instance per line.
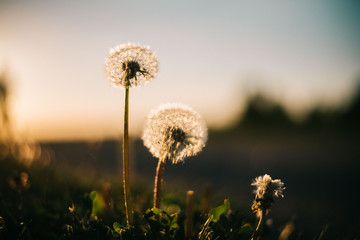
x=39, y=203
x=41, y=209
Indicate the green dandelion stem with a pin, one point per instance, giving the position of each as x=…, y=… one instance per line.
x=126, y=183
x=157, y=185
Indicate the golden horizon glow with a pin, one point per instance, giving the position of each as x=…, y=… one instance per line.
x=209, y=58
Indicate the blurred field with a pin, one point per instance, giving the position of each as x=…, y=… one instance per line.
x=317, y=159
x=318, y=162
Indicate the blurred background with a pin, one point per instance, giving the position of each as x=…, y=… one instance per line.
x=278, y=84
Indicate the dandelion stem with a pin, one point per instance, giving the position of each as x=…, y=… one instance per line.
x=259, y=226
x=126, y=183
x=189, y=214
x=157, y=185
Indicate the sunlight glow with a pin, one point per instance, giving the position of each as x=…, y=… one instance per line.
x=55, y=53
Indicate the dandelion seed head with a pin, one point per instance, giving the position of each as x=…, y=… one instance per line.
x=174, y=132
x=130, y=65
x=266, y=190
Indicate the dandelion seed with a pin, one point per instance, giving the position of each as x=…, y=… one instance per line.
x=174, y=132
x=130, y=65
x=266, y=190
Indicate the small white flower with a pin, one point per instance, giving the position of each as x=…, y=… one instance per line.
x=174, y=131
x=266, y=190
x=130, y=65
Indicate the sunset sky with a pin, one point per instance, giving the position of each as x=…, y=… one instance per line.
x=211, y=54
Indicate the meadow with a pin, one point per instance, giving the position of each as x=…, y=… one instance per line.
x=208, y=185
x=319, y=167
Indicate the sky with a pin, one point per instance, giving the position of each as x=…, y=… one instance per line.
x=211, y=54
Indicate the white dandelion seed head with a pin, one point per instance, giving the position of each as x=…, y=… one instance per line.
x=265, y=185
x=266, y=190
x=174, y=132
x=130, y=65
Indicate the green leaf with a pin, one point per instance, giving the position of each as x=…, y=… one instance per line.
x=152, y=212
x=157, y=211
x=218, y=211
x=246, y=228
x=98, y=204
x=173, y=222
x=94, y=195
x=117, y=227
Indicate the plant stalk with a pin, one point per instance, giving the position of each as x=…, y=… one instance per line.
x=256, y=235
x=126, y=183
x=157, y=185
x=189, y=214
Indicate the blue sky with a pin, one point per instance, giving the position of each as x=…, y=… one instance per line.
x=211, y=54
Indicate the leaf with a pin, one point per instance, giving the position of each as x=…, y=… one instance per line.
x=124, y=232
x=214, y=215
x=157, y=211
x=117, y=227
x=173, y=222
x=162, y=225
x=218, y=211
x=98, y=204
x=93, y=195
x=245, y=229
x=153, y=211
